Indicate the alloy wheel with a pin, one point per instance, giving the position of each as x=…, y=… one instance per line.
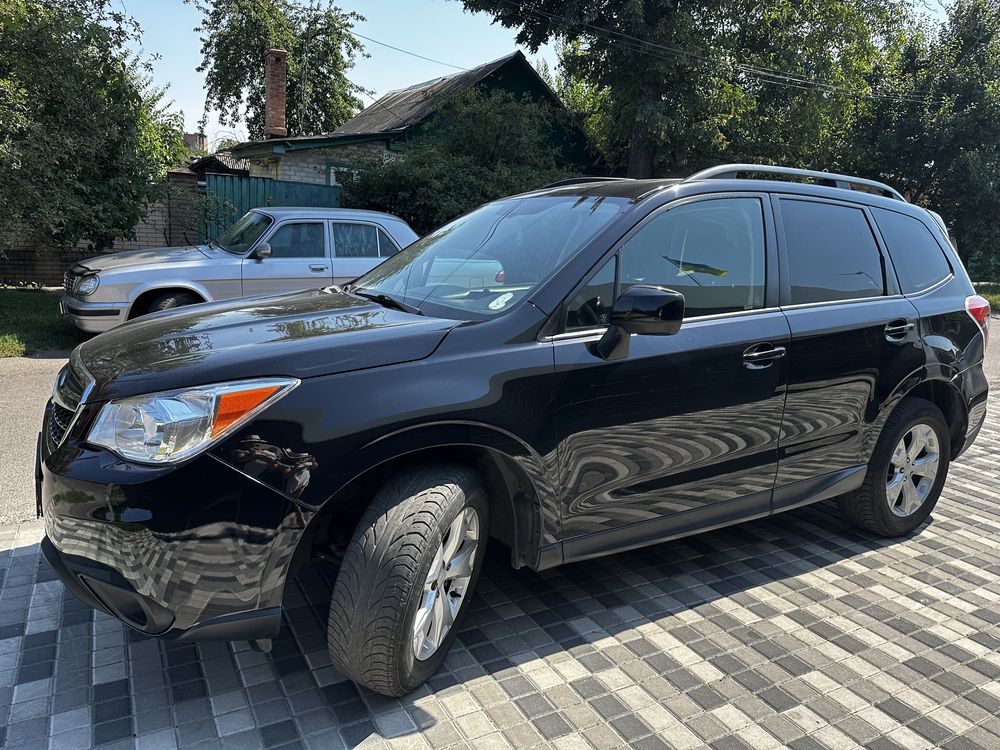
x=447, y=583
x=913, y=468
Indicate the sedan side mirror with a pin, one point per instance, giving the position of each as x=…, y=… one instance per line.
x=263, y=250
x=643, y=310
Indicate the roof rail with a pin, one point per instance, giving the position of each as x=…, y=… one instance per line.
x=847, y=182
x=579, y=181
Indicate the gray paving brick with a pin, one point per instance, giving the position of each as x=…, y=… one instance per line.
x=795, y=631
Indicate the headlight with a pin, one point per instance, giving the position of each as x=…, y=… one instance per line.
x=88, y=285
x=171, y=426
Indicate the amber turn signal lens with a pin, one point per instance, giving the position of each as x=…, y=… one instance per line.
x=234, y=405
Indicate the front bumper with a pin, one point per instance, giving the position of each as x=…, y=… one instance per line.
x=93, y=317
x=196, y=551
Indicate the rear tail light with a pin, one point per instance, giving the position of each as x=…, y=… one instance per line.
x=979, y=310
x=500, y=277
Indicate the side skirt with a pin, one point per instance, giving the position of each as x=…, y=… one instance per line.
x=814, y=489
x=643, y=533
x=717, y=516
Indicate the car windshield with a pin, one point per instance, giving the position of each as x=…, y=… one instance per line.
x=241, y=235
x=484, y=263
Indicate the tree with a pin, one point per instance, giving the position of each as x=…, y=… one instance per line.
x=84, y=138
x=686, y=81
x=236, y=35
x=936, y=141
x=477, y=147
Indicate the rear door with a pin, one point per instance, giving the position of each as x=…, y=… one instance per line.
x=357, y=248
x=682, y=432
x=854, y=341
x=300, y=259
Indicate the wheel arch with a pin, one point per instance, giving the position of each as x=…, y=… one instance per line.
x=522, y=509
x=934, y=384
x=140, y=304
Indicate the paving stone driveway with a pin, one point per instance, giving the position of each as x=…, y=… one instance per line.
x=797, y=631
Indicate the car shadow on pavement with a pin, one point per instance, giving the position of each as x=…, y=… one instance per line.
x=537, y=652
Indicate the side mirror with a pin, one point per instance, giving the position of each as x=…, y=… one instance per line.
x=643, y=310
x=263, y=250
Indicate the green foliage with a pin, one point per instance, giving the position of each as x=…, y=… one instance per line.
x=939, y=146
x=83, y=136
x=477, y=147
x=236, y=35
x=669, y=87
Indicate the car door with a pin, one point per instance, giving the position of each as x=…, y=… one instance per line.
x=300, y=259
x=682, y=432
x=854, y=341
x=357, y=248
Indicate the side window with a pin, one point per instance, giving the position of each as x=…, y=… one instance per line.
x=591, y=307
x=832, y=254
x=303, y=240
x=386, y=247
x=355, y=240
x=918, y=258
x=711, y=251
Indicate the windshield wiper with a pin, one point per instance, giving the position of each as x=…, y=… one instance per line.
x=385, y=300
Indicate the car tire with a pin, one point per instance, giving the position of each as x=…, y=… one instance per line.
x=170, y=300
x=392, y=571
x=898, y=493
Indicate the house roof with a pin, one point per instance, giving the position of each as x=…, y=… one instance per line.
x=391, y=115
x=403, y=108
x=224, y=158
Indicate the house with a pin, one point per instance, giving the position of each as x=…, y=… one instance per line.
x=221, y=162
x=382, y=130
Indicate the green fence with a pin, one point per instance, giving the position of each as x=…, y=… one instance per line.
x=229, y=196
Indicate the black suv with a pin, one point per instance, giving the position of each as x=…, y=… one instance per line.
x=639, y=361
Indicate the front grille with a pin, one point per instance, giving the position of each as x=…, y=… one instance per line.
x=57, y=421
x=69, y=279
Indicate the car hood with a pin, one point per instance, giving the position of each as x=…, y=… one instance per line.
x=153, y=256
x=303, y=334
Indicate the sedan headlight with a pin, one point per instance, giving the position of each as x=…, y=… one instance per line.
x=87, y=285
x=168, y=427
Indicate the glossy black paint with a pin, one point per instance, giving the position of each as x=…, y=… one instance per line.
x=732, y=417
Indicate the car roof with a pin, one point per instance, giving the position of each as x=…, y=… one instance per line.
x=666, y=189
x=320, y=212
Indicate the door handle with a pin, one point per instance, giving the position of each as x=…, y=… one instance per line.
x=760, y=356
x=317, y=268
x=896, y=330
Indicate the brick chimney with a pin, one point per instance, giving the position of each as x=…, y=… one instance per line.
x=274, y=93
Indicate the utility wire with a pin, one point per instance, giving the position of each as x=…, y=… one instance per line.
x=408, y=52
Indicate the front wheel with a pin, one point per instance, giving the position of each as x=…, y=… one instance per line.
x=906, y=472
x=407, y=577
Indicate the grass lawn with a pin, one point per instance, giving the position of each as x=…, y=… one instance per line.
x=30, y=322
x=992, y=293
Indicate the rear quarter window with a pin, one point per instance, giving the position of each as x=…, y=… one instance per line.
x=919, y=260
x=832, y=253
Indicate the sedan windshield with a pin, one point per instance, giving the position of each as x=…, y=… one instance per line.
x=241, y=235
x=485, y=262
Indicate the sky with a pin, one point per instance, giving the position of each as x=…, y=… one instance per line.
x=438, y=29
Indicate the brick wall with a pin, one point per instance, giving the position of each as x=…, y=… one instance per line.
x=170, y=221
x=310, y=166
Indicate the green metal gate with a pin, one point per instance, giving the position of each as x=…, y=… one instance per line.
x=229, y=196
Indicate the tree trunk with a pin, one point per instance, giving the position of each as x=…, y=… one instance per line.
x=642, y=148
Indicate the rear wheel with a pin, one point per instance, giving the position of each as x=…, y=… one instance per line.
x=407, y=576
x=906, y=472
